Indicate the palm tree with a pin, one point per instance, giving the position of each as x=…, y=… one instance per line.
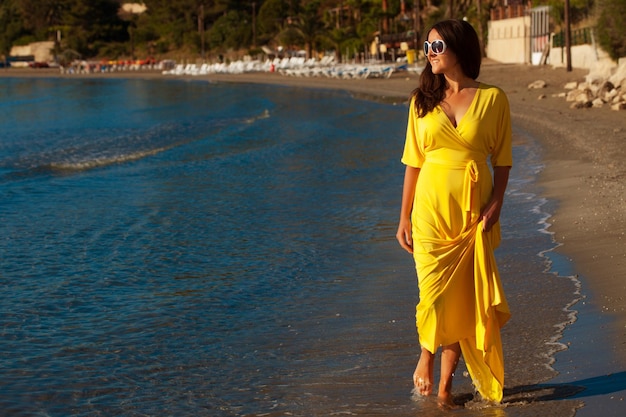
x=309, y=26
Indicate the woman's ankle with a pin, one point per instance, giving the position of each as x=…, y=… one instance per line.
x=445, y=401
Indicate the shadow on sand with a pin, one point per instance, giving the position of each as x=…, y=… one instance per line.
x=526, y=394
x=600, y=385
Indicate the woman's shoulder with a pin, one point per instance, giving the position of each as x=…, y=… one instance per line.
x=492, y=93
x=490, y=89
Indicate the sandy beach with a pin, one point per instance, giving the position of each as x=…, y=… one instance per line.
x=583, y=153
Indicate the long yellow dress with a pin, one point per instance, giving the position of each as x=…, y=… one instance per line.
x=461, y=296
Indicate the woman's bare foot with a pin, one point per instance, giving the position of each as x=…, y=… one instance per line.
x=446, y=402
x=423, y=375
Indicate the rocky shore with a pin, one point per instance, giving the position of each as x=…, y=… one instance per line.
x=600, y=88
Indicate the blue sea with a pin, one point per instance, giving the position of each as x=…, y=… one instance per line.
x=187, y=248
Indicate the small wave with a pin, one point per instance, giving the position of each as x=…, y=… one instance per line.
x=67, y=152
x=102, y=162
x=559, y=266
x=264, y=115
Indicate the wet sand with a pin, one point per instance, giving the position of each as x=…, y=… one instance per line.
x=583, y=152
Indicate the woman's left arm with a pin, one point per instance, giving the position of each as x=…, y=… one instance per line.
x=491, y=213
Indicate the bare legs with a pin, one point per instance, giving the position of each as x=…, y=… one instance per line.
x=449, y=360
x=423, y=375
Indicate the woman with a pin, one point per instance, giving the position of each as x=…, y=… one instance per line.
x=450, y=212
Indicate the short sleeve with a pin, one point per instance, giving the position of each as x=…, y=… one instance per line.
x=412, y=155
x=502, y=152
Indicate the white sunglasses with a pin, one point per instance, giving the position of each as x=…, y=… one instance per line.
x=437, y=46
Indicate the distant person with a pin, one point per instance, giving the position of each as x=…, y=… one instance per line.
x=450, y=212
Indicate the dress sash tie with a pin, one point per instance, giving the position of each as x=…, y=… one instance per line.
x=471, y=190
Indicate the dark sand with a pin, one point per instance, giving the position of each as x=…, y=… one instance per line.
x=584, y=154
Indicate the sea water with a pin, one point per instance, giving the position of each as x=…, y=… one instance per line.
x=185, y=248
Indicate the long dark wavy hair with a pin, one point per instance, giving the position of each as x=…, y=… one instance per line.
x=462, y=40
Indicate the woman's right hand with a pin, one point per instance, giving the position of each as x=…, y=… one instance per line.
x=404, y=236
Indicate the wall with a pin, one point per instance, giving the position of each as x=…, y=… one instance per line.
x=508, y=40
x=583, y=56
x=41, y=51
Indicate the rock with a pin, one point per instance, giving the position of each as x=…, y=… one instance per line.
x=580, y=105
x=605, y=83
x=571, y=96
x=619, y=75
x=537, y=84
x=619, y=106
x=542, y=97
x=606, y=86
x=600, y=70
x=594, y=89
x=608, y=96
x=571, y=85
x=583, y=97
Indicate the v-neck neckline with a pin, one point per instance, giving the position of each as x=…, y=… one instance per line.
x=460, y=121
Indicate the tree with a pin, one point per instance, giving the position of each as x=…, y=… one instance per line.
x=366, y=21
x=579, y=10
x=91, y=24
x=173, y=25
x=612, y=28
x=272, y=18
x=309, y=26
x=39, y=16
x=11, y=24
x=230, y=31
x=96, y=27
